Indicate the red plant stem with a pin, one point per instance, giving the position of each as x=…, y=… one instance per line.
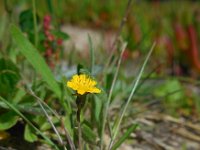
x=193, y=51
x=181, y=36
x=170, y=50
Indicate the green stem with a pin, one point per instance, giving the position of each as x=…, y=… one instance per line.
x=35, y=24
x=110, y=95
x=79, y=136
x=80, y=101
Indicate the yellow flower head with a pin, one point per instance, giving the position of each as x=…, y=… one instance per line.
x=83, y=84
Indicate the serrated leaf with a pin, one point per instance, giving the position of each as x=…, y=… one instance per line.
x=35, y=59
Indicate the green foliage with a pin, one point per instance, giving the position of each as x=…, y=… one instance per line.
x=103, y=112
x=97, y=108
x=26, y=21
x=29, y=134
x=9, y=77
x=8, y=120
x=125, y=136
x=88, y=134
x=16, y=110
x=32, y=55
x=172, y=91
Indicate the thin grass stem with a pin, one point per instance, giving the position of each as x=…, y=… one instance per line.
x=72, y=145
x=110, y=94
x=130, y=96
x=35, y=23
x=123, y=21
x=48, y=117
x=29, y=122
x=92, y=58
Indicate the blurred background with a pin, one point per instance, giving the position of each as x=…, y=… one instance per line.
x=170, y=84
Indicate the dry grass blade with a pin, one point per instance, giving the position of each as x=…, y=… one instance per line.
x=174, y=120
x=185, y=133
x=123, y=21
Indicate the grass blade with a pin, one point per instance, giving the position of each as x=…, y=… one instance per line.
x=48, y=117
x=110, y=95
x=91, y=55
x=124, y=137
x=36, y=60
x=22, y=116
x=131, y=95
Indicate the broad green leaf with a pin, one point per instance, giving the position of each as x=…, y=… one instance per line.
x=124, y=137
x=8, y=120
x=36, y=60
x=29, y=135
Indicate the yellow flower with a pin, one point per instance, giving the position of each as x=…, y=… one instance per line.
x=83, y=84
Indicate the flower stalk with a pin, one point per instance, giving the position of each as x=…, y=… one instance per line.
x=83, y=85
x=80, y=102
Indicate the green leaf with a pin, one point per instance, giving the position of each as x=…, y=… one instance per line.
x=26, y=20
x=9, y=76
x=44, y=124
x=169, y=87
x=8, y=120
x=124, y=137
x=29, y=135
x=97, y=107
x=36, y=60
x=82, y=70
x=47, y=139
x=88, y=134
x=18, y=96
x=109, y=79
